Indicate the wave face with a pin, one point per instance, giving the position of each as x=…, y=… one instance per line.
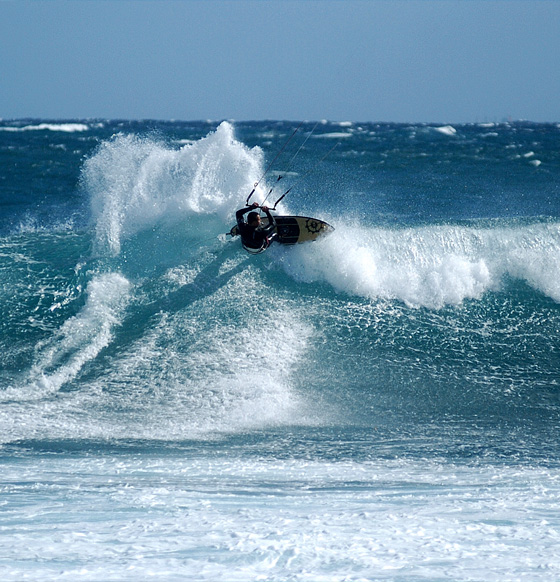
x=128, y=314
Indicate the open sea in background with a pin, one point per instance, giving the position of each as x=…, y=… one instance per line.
x=381, y=404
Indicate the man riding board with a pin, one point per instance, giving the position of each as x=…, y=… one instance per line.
x=254, y=237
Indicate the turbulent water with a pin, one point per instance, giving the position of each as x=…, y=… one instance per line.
x=381, y=404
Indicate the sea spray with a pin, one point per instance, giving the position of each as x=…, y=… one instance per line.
x=136, y=182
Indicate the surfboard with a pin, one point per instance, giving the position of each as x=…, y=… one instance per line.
x=295, y=229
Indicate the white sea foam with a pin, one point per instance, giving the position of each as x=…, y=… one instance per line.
x=429, y=266
x=65, y=127
x=216, y=348
x=333, y=135
x=446, y=130
x=216, y=517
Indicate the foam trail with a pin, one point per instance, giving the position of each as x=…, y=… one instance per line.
x=430, y=266
x=79, y=340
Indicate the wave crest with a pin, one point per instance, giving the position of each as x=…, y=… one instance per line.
x=135, y=182
x=430, y=266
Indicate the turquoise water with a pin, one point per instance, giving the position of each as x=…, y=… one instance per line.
x=381, y=404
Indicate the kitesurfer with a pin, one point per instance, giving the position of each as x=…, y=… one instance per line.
x=254, y=237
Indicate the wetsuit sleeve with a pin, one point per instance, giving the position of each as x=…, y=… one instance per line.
x=271, y=223
x=240, y=213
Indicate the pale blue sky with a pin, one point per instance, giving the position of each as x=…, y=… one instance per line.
x=360, y=60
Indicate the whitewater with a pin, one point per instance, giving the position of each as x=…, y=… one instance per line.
x=380, y=404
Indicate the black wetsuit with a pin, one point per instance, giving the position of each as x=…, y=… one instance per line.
x=251, y=237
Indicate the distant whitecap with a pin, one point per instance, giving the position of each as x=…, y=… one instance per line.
x=446, y=130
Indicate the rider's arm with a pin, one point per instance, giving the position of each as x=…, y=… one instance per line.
x=240, y=213
x=271, y=222
x=270, y=217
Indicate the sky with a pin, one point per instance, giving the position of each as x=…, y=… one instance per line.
x=441, y=61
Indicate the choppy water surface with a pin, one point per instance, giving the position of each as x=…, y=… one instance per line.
x=379, y=405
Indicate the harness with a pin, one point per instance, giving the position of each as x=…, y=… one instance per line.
x=256, y=251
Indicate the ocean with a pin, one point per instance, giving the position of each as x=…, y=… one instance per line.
x=380, y=404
